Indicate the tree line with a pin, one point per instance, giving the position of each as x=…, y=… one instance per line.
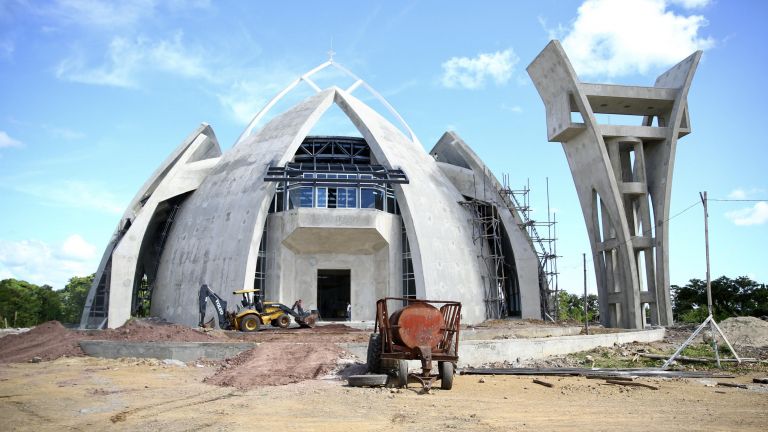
x=23, y=304
x=730, y=297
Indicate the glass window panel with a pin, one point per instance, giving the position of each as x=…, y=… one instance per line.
x=367, y=198
x=347, y=197
x=279, y=205
x=371, y=198
x=322, y=197
x=305, y=196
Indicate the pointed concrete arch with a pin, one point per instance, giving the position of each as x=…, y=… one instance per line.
x=216, y=235
x=110, y=297
x=475, y=180
x=444, y=255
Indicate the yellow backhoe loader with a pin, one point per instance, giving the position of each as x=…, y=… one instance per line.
x=253, y=314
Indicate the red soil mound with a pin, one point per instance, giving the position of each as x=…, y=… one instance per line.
x=51, y=340
x=152, y=331
x=48, y=341
x=274, y=363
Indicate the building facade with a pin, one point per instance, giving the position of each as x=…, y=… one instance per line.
x=331, y=220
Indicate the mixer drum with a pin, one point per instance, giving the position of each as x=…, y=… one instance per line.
x=418, y=324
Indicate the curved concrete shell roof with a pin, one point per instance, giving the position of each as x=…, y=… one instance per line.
x=216, y=236
x=212, y=211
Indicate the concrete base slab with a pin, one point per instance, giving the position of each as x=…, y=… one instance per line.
x=476, y=353
x=183, y=351
x=472, y=353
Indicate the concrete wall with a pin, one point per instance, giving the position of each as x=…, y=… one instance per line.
x=474, y=179
x=365, y=241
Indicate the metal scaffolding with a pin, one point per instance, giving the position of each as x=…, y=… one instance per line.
x=486, y=228
x=546, y=247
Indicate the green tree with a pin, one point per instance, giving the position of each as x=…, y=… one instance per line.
x=50, y=304
x=23, y=304
x=73, y=297
x=730, y=297
x=571, y=307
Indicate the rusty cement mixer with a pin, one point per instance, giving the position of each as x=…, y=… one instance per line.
x=419, y=331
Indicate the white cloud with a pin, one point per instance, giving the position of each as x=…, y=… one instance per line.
x=691, y=4
x=6, y=141
x=109, y=15
x=757, y=215
x=472, y=73
x=99, y=13
x=517, y=109
x=737, y=193
x=245, y=97
x=127, y=59
x=64, y=133
x=127, y=62
x=614, y=38
x=75, y=247
x=40, y=263
x=741, y=193
x=74, y=194
x=7, y=47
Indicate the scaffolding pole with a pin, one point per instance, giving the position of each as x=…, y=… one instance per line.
x=518, y=200
x=486, y=233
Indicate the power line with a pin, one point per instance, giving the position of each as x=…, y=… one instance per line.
x=629, y=240
x=737, y=200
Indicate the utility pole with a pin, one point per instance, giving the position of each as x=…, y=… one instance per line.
x=703, y=197
x=710, y=319
x=586, y=302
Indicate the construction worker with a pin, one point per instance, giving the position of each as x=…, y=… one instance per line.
x=349, y=312
x=298, y=307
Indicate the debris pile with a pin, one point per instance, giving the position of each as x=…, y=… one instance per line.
x=276, y=363
x=746, y=331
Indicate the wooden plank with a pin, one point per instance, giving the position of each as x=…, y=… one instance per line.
x=544, y=383
x=727, y=384
x=630, y=383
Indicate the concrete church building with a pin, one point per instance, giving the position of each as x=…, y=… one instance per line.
x=331, y=220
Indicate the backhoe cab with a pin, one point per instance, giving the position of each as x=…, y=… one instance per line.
x=252, y=314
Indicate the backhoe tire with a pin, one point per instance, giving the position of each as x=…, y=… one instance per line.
x=283, y=321
x=250, y=323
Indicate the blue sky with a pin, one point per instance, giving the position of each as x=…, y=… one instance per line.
x=94, y=95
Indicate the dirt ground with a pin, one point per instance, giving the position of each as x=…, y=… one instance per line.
x=300, y=386
x=96, y=394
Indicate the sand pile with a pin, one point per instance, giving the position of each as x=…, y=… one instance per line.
x=746, y=331
x=275, y=363
x=48, y=341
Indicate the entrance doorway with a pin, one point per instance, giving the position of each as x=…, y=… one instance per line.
x=333, y=294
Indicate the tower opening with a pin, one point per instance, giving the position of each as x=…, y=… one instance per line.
x=333, y=294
